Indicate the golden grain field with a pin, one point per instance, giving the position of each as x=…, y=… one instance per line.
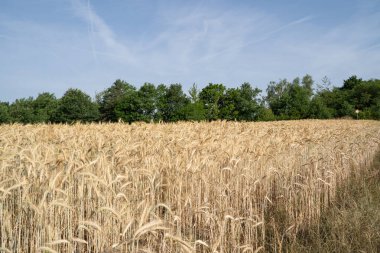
x=183, y=187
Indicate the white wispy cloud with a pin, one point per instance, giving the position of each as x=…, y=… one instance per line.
x=184, y=43
x=195, y=36
x=102, y=39
x=200, y=43
x=219, y=45
x=259, y=37
x=342, y=50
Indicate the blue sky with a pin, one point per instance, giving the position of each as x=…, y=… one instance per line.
x=53, y=45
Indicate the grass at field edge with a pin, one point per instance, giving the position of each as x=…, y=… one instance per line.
x=350, y=224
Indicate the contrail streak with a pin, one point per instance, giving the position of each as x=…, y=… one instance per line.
x=90, y=32
x=263, y=38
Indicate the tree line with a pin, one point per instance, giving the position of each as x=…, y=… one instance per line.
x=284, y=100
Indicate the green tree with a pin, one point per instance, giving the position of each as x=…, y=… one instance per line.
x=324, y=86
x=210, y=97
x=194, y=93
x=109, y=98
x=365, y=94
x=339, y=101
x=319, y=110
x=290, y=100
x=248, y=103
x=22, y=110
x=228, y=104
x=299, y=101
x=44, y=106
x=325, y=97
x=265, y=114
x=351, y=83
x=375, y=109
x=148, y=98
x=194, y=110
x=5, y=117
x=307, y=84
x=129, y=107
x=240, y=103
x=278, y=98
x=161, y=91
x=354, y=94
x=173, y=104
x=75, y=105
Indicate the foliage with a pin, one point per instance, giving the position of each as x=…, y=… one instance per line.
x=147, y=95
x=284, y=100
x=228, y=104
x=174, y=103
x=351, y=83
x=355, y=94
x=278, y=97
x=194, y=93
x=210, y=97
x=161, y=91
x=75, y=105
x=22, y=110
x=129, y=107
x=5, y=117
x=109, y=98
x=366, y=97
x=265, y=114
x=319, y=110
x=194, y=111
x=290, y=100
x=249, y=103
x=44, y=107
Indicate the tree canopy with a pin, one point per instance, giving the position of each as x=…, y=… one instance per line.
x=301, y=98
x=75, y=105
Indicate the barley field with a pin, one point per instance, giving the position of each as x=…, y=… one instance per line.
x=183, y=187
